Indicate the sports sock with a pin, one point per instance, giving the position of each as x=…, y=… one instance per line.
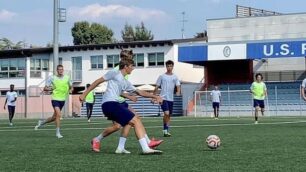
x=121, y=144
x=147, y=138
x=99, y=137
x=143, y=144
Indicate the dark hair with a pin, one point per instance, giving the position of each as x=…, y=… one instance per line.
x=126, y=54
x=125, y=62
x=258, y=74
x=169, y=62
x=58, y=66
x=87, y=85
x=12, y=85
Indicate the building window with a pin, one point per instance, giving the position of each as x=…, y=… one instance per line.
x=112, y=61
x=60, y=61
x=13, y=68
x=139, y=60
x=96, y=62
x=37, y=66
x=156, y=59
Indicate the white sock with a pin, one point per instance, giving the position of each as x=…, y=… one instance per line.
x=147, y=138
x=121, y=144
x=99, y=137
x=58, y=131
x=143, y=144
x=165, y=131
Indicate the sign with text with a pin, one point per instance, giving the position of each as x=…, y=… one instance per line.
x=276, y=49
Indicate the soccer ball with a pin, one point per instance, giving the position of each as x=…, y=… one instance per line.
x=213, y=141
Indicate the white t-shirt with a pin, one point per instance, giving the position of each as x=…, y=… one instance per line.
x=167, y=83
x=116, y=85
x=215, y=95
x=10, y=96
x=304, y=84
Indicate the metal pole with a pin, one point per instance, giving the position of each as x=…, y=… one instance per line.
x=195, y=104
x=276, y=106
x=55, y=35
x=301, y=99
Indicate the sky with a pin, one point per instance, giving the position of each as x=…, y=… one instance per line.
x=32, y=20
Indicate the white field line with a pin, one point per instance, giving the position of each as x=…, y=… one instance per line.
x=159, y=126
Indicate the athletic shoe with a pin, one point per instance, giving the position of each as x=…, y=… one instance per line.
x=88, y=120
x=11, y=124
x=154, y=143
x=38, y=125
x=59, y=136
x=152, y=151
x=256, y=122
x=167, y=134
x=123, y=151
x=95, y=145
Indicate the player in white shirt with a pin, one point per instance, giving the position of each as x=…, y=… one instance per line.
x=112, y=109
x=167, y=81
x=11, y=97
x=216, y=99
x=303, y=89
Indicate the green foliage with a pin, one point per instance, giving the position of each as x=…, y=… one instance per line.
x=142, y=33
x=86, y=33
x=139, y=33
x=6, y=44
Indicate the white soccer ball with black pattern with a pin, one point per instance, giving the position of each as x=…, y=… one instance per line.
x=213, y=141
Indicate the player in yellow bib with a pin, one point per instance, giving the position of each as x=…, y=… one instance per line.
x=60, y=85
x=259, y=91
x=90, y=101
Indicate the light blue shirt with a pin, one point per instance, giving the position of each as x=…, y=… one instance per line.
x=116, y=85
x=167, y=84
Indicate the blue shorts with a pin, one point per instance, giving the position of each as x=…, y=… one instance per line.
x=216, y=105
x=118, y=113
x=167, y=106
x=124, y=104
x=260, y=103
x=89, y=105
x=56, y=103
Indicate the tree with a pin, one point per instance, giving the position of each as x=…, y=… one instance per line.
x=128, y=33
x=85, y=33
x=6, y=44
x=142, y=33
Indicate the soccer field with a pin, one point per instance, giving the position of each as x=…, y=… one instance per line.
x=276, y=144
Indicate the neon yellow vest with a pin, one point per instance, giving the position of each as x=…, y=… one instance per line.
x=61, y=88
x=122, y=99
x=90, y=97
x=258, y=90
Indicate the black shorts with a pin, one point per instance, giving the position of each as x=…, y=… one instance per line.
x=216, y=105
x=89, y=105
x=56, y=103
x=118, y=113
x=167, y=106
x=259, y=103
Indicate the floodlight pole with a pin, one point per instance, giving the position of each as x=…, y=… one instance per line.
x=55, y=35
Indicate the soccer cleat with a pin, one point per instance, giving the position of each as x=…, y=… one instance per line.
x=38, y=125
x=59, y=136
x=123, y=151
x=152, y=151
x=88, y=120
x=167, y=134
x=95, y=145
x=256, y=122
x=154, y=143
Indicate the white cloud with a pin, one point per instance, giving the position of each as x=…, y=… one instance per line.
x=97, y=12
x=6, y=15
